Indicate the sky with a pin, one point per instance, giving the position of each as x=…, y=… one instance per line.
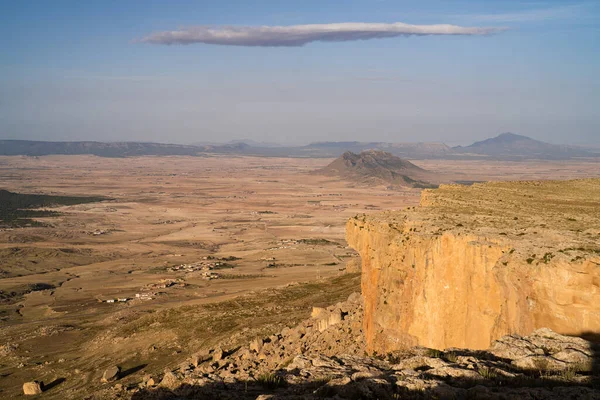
x=299, y=71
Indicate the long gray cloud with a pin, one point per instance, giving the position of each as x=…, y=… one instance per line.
x=299, y=35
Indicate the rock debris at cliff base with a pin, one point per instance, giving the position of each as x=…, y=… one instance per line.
x=324, y=357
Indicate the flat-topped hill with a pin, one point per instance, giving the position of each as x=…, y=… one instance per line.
x=378, y=167
x=481, y=262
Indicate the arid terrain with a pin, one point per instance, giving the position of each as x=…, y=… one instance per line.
x=187, y=252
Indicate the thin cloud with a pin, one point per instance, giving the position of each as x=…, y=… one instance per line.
x=533, y=15
x=299, y=35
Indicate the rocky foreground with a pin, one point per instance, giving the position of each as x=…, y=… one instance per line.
x=324, y=357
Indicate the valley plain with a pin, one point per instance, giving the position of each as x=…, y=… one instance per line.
x=200, y=250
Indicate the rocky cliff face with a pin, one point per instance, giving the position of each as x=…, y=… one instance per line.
x=471, y=265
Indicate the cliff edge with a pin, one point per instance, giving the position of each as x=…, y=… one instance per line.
x=473, y=264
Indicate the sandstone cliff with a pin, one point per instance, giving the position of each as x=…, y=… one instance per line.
x=473, y=264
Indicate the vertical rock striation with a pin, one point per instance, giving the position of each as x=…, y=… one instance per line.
x=473, y=264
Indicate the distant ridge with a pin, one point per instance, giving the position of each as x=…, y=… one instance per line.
x=511, y=145
x=377, y=167
x=507, y=146
x=115, y=149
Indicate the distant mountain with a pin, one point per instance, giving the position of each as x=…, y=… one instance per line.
x=510, y=145
x=117, y=149
x=507, y=146
x=377, y=167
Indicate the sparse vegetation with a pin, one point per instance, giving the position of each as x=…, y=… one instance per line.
x=547, y=257
x=242, y=276
x=488, y=373
x=316, y=242
x=271, y=381
x=434, y=353
x=450, y=357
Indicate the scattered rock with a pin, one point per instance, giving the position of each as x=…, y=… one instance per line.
x=31, y=388
x=544, y=350
x=111, y=374
x=199, y=358
x=306, y=362
x=329, y=319
x=317, y=312
x=217, y=354
x=148, y=381
x=256, y=345
x=170, y=381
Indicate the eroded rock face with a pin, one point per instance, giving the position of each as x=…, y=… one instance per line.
x=474, y=264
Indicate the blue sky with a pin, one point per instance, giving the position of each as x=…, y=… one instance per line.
x=80, y=70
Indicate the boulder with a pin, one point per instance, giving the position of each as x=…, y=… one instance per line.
x=544, y=350
x=329, y=319
x=217, y=354
x=31, y=388
x=170, y=381
x=149, y=381
x=111, y=374
x=317, y=312
x=199, y=358
x=256, y=345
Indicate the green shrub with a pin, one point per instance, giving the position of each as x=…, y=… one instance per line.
x=271, y=381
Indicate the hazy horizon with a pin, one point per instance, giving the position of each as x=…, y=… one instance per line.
x=300, y=71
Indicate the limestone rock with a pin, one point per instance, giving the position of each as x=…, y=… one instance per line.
x=329, y=319
x=478, y=263
x=111, y=374
x=353, y=266
x=170, y=381
x=256, y=345
x=217, y=354
x=544, y=350
x=317, y=312
x=326, y=370
x=199, y=357
x=148, y=381
x=31, y=388
x=355, y=298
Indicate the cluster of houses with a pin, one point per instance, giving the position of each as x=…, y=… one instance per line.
x=146, y=295
x=285, y=244
x=98, y=232
x=205, y=269
x=209, y=275
x=165, y=283
x=197, y=266
x=150, y=291
x=119, y=300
